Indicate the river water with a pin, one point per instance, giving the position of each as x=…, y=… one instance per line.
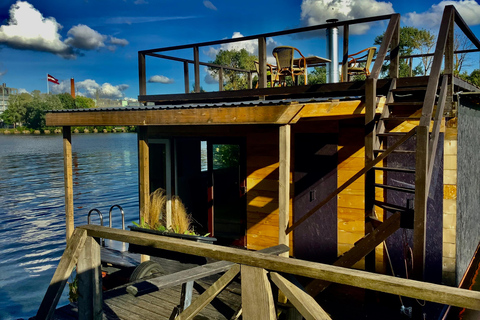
x=32, y=213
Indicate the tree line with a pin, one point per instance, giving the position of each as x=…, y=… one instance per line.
x=28, y=110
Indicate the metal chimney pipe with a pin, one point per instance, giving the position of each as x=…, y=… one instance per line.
x=72, y=88
x=332, y=51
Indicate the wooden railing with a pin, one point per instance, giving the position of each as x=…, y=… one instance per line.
x=254, y=266
x=262, y=53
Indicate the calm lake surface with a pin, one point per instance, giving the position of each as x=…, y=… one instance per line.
x=32, y=213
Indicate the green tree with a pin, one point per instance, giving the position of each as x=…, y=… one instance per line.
x=67, y=100
x=241, y=59
x=412, y=41
x=84, y=103
x=35, y=110
x=15, y=112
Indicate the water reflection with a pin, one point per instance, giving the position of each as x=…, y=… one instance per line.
x=32, y=214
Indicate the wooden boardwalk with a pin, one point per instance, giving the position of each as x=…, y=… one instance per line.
x=119, y=304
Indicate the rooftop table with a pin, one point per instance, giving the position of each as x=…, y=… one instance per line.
x=312, y=61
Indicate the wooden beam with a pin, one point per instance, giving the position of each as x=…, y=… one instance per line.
x=351, y=180
x=361, y=249
x=68, y=181
x=186, y=78
x=403, y=287
x=395, y=52
x=304, y=303
x=64, y=269
x=370, y=146
x=257, y=297
x=196, y=68
x=142, y=78
x=262, y=62
x=145, y=286
x=382, y=52
x=421, y=198
x=210, y=294
x=143, y=177
x=284, y=185
x=89, y=271
x=448, y=65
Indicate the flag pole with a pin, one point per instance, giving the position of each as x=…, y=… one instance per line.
x=48, y=89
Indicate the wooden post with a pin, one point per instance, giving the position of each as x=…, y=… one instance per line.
x=262, y=60
x=370, y=139
x=346, y=32
x=284, y=185
x=90, y=282
x=448, y=64
x=142, y=78
x=395, y=52
x=186, y=77
x=421, y=197
x=65, y=267
x=68, y=180
x=257, y=297
x=196, y=68
x=220, y=79
x=144, y=176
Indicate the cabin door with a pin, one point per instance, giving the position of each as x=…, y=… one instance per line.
x=210, y=180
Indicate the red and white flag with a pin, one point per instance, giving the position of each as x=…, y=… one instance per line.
x=52, y=79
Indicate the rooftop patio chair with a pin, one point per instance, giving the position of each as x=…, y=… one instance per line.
x=271, y=73
x=357, y=65
x=285, y=63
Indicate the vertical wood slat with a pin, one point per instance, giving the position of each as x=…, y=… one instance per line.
x=395, y=52
x=257, y=297
x=186, y=77
x=68, y=180
x=346, y=32
x=421, y=197
x=304, y=303
x=65, y=267
x=220, y=79
x=370, y=139
x=142, y=77
x=209, y=294
x=196, y=68
x=262, y=60
x=284, y=185
x=90, y=282
x=143, y=176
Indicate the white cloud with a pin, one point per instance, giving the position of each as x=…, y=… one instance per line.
x=84, y=37
x=468, y=9
x=318, y=11
x=160, y=79
x=117, y=41
x=23, y=90
x=210, y=77
x=3, y=72
x=27, y=29
x=89, y=88
x=251, y=46
x=209, y=5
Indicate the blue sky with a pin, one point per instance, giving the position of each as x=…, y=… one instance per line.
x=96, y=41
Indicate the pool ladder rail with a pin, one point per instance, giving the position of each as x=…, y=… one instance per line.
x=109, y=217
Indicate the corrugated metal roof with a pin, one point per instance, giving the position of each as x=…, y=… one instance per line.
x=236, y=104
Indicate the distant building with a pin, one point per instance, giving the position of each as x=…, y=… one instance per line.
x=5, y=94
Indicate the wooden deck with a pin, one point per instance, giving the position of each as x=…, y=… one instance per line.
x=119, y=304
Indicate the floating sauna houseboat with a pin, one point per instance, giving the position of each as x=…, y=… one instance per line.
x=357, y=175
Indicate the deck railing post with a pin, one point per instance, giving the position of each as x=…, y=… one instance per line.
x=257, y=297
x=186, y=77
x=346, y=32
x=448, y=64
x=395, y=52
x=262, y=60
x=142, y=78
x=144, y=176
x=90, y=282
x=220, y=79
x=196, y=64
